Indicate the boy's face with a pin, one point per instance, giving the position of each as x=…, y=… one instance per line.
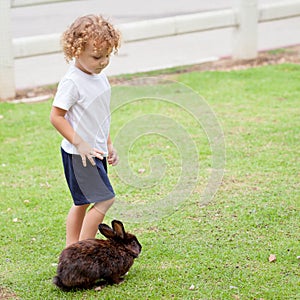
x=93, y=61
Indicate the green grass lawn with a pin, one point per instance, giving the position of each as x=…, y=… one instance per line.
x=190, y=250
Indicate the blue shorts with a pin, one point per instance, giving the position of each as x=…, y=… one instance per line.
x=88, y=184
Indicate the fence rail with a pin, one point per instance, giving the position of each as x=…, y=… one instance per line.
x=21, y=3
x=244, y=17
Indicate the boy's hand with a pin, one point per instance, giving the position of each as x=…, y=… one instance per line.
x=86, y=151
x=113, y=157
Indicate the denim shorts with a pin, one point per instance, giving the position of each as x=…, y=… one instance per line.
x=88, y=184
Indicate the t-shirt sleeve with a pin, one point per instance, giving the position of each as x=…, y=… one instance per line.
x=67, y=94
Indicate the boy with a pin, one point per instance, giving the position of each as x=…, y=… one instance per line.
x=81, y=114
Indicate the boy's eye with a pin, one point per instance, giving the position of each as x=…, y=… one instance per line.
x=99, y=57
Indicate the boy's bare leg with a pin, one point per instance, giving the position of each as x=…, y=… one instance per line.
x=74, y=223
x=93, y=218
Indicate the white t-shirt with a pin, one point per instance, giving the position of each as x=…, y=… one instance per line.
x=87, y=101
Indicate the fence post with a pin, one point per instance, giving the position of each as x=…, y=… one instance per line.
x=245, y=34
x=7, y=80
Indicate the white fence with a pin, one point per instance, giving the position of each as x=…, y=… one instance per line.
x=244, y=17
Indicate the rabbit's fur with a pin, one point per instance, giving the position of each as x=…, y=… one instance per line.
x=84, y=263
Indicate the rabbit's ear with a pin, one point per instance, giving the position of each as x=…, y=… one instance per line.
x=118, y=228
x=106, y=231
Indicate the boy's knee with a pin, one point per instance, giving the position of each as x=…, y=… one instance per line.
x=103, y=206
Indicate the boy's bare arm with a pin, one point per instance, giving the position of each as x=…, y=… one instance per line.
x=113, y=157
x=57, y=118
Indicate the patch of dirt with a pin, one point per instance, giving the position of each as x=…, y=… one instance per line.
x=272, y=57
x=5, y=294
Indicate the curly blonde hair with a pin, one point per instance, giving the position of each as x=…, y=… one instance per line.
x=89, y=28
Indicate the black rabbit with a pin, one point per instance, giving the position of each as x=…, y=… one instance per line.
x=84, y=263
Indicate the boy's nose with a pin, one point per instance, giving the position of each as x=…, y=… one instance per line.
x=104, y=62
